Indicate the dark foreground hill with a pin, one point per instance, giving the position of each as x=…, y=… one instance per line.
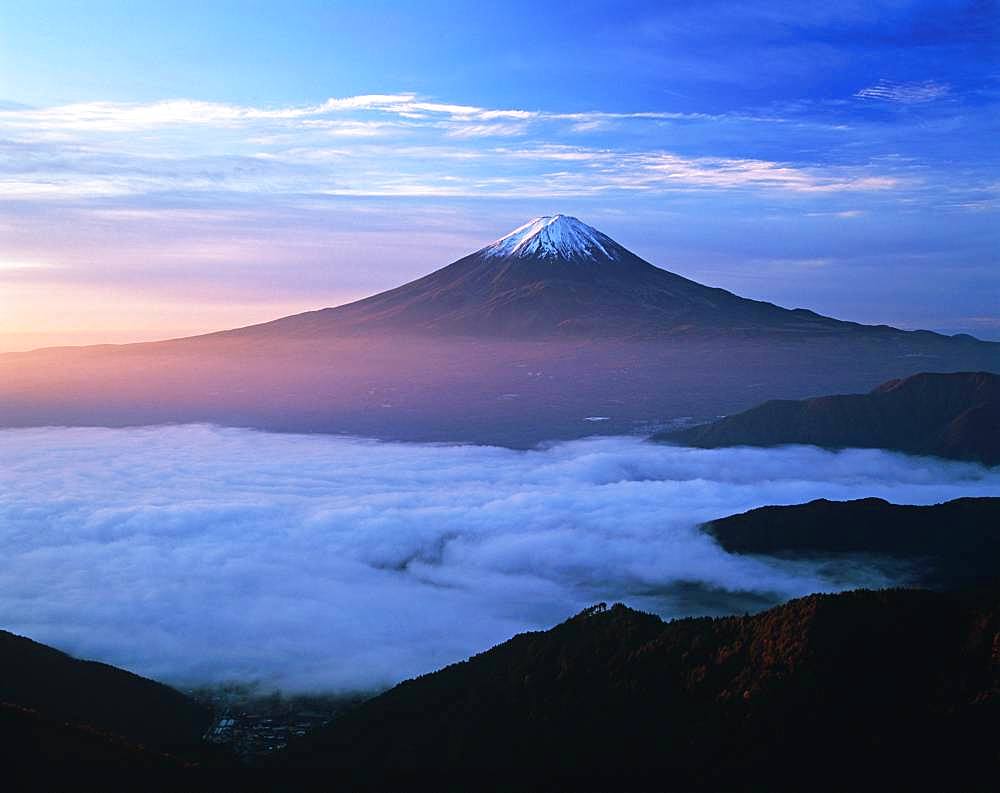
x=554, y=331
x=950, y=545
x=897, y=689
x=947, y=415
x=863, y=690
x=52, y=747
x=49, y=687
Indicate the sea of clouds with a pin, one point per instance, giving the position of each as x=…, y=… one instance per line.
x=199, y=554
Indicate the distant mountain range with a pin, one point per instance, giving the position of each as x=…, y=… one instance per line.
x=519, y=342
x=947, y=415
x=947, y=546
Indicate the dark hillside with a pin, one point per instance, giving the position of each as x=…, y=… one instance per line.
x=50, y=747
x=950, y=545
x=946, y=415
x=873, y=690
x=108, y=699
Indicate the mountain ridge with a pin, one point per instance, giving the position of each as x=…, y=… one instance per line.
x=895, y=684
x=953, y=415
x=950, y=545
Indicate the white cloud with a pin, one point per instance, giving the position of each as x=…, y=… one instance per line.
x=124, y=117
x=731, y=173
x=101, y=149
x=846, y=214
x=350, y=129
x=365, y=102
x=658, y=171
x=904, y=93
x=486, y=130
x=197, y=553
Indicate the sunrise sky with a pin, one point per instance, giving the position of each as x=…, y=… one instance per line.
x=171, y=168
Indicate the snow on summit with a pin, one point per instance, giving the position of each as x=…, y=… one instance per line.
x=554, y=236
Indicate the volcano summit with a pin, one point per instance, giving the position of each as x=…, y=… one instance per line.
x=529, y=338
x=555, y=237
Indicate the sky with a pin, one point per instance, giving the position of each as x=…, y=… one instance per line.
x=197, y=554
x=172, y=168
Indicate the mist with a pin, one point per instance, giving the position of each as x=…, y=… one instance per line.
x=197, y=554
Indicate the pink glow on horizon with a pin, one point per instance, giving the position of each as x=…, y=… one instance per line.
x=34, y=317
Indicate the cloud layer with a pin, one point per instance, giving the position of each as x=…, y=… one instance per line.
x=386, y=145
x=199, y=554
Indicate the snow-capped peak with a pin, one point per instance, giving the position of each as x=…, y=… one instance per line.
x=554, y=236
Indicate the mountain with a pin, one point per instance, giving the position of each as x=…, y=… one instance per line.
x=554, y=276
x=46, y=747
x=947, y=546
x=862, y=690
x=947, y=415
x=553, y=331
x=45, y=686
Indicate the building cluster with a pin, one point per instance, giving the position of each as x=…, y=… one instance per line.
x=251, y=725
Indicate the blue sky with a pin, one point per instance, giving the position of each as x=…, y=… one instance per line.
x=170, y=168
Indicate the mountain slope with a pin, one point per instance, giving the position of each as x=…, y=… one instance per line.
x=64, y=689
x=949, y=545
x=555, y=276
x=948, y=415
x=45, y=747
x=866, y=690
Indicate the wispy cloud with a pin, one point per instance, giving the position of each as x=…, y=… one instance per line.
x=393, y=144
x=844, y=213
x=486, y=130
x=127, y=117
x=911, y=93
x=646, y=171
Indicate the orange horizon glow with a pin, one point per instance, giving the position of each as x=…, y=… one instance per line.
x=34, y=316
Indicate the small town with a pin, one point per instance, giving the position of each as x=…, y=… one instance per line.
x=251, y=725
